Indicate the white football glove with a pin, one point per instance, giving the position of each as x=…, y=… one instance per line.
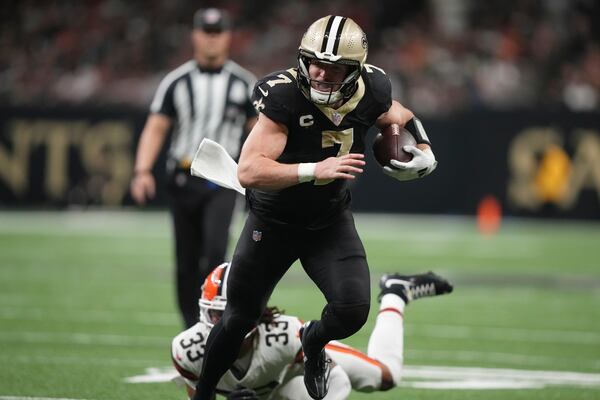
x=423, y=163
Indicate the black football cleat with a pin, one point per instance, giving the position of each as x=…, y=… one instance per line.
x=413, y=287
x=316, y=368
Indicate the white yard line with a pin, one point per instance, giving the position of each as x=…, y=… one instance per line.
x=505, y=334
x=556, y=377
x=499, y=357
x=435, y=377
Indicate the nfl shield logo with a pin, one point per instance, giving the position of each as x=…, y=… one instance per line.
x=256, y=236
x=337, y=118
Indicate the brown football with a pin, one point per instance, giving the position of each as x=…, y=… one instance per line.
x=388, y=145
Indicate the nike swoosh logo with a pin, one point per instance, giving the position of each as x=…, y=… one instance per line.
x=391, y=282
x=264, y=92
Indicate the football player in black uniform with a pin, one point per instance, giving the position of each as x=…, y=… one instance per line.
x=308, y=142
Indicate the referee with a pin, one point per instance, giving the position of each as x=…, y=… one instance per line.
x=207, y=97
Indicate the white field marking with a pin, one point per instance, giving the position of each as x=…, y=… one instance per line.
x=497, y=357
x=34, y=398
x=41, y=314
x=434, y=377
x=76, y=360
x=505, y=334
x=83, y=339
x=493, y=378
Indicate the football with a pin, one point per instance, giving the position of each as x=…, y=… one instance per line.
x=388, y=145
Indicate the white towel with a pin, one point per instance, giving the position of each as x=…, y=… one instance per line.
x=212, y=162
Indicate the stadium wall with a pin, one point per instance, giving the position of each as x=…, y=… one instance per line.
x=535, y=163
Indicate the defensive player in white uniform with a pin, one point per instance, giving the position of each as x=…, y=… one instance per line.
x=270, y=362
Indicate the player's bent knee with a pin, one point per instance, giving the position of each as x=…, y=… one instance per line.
x=345, y=320
x=359, y=316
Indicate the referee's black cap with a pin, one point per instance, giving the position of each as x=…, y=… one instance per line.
x=212, y=20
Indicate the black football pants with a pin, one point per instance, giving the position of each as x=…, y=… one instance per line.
x=201, y=217
x=333, y=257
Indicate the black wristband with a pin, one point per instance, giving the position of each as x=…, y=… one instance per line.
x=416, y=129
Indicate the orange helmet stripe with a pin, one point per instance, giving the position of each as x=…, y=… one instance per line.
x=212, y=283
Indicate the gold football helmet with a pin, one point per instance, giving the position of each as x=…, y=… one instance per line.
x=336, y=40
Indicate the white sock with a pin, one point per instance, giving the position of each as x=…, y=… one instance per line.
x=386, y=343
x=391, y=300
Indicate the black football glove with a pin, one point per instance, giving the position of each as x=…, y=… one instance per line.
x=242, y=394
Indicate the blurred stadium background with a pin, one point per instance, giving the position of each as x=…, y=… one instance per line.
x=509, y=93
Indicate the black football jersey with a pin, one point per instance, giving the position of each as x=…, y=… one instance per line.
x=315, y=133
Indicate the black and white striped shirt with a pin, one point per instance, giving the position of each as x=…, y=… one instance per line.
x=213, y=104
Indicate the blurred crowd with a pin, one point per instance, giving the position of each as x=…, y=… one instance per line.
x=443, y=56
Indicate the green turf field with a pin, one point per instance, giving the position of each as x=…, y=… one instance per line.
x=86, y=301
